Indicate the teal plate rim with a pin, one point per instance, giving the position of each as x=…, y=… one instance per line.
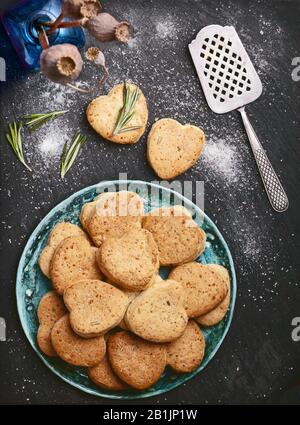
x=97, y=391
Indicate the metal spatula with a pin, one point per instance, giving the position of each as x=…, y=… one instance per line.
x=229, y=82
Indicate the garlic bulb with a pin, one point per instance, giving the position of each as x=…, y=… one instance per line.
x=78, y=9
x=104, y=27
x=61, y=63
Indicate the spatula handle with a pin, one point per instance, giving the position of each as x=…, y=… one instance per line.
x=275, y=191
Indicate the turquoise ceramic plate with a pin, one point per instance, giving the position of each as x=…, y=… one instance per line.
x=31, y=284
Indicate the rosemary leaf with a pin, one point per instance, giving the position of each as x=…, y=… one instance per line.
x=35, y=121
x=14, y=138
x=124, y=130
x=127, y=111
x=70, y=153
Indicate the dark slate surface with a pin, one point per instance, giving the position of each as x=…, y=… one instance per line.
x=259, y=361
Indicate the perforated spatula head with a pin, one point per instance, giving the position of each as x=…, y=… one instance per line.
x=225, y=70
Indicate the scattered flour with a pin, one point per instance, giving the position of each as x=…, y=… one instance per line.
x=166, y=28
x=221, y=157
x=52, y=141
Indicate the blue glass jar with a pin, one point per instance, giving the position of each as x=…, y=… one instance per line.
x=20, y=23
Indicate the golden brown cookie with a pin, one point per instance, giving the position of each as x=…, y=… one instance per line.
x=177, y=235
x=103, y=113
x=95, y=307
x=86, y=213
x=73, y=260
x=76, y=350
x=131, y=261
x=137, y=362
x=45, y=260
x=51, y=308
x=205, y=289
x=157, y=314
x=115, y=213
x=187, y=352
x=62, y=231
x=103, y=376
x=59, y=232
x=173, y=148
x=218, y=313
x=130, y=297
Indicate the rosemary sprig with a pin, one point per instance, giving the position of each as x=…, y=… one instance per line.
x=70, y=153
x=127, y=111
x=14, y=138
x=35, y=121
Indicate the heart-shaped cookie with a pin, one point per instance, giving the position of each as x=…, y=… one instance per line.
x=187, y=352
x=51, y=308
x=74, y=259
x=178, y=237
x=218, y=313
x=59, y=232
x=173, y=148
x=95, y=307
x=137, y=362
x=76, y=350
x=157, y=314
x=104, y=112
x=204, y=288
x=103, y=376
x=113, y=214
x=131, y=261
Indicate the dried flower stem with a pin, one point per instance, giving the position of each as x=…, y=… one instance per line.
x=72, y=86
x=54, y=24
x=70, y=24
x=43, y=39
x=105, y=76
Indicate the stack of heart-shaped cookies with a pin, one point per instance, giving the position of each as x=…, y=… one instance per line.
x=110, y=311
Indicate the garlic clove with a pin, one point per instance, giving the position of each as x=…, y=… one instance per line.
x=78, y=9
x=61, y=63
x=104, y=27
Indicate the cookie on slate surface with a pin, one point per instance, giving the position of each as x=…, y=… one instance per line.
x=76, y=350
x=51, y=308
x=103, y=112
x=103, y=376
x=115, y=214
x=173, y=148
x=218, y=313
x=59, y=232
x=187, y=352
x=177, y=235
x=205, y=289
x=131, y=261
x=157, y=314
x=137, y=362
x=73, y=260
x=95, y=307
